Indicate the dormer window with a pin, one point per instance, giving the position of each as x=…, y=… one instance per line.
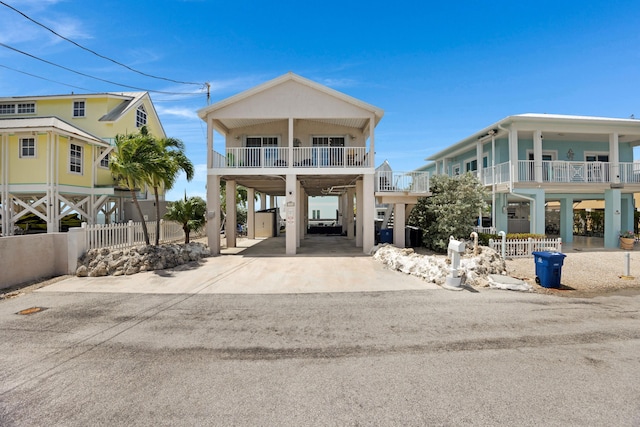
x=141, y=116
x=78, y=108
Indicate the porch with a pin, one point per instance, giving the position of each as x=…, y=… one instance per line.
x=563, y=172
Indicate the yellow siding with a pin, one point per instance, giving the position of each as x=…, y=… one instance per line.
x=28, y=170
x=104, y=177
x=95, y=108
x=65, y=176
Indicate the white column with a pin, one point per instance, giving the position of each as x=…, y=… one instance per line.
x=290, y=142
x=251, y=213
x=372, y=139
x=272, y=203
x=342, y=206
x=359, y=208
x=213, y=213
x=232, y=221
x=290, y=214
x=263, y=201
x=479, y=159
x=399, y=222
x=348, y=212
x=614, y=157
x=368, y=212
x=513, y=154
x=299, y=213
x=209, y=142
x=537, y=156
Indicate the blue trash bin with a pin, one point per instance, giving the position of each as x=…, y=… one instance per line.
x=386, y=235
x=548, y=268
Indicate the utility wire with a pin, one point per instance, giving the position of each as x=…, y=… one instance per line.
x=91, y=77
x=96, y=53
x=44, y=78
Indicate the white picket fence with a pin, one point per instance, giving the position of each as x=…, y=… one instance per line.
x=524, y=248
x=125, y=235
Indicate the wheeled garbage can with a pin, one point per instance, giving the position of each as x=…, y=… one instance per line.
x=548, y=268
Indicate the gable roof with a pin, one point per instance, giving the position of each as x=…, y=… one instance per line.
x=282, y=80
x=35, y=124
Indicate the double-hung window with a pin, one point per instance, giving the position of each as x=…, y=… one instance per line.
x=75, y=158
x=27, y=148
x=78, y=108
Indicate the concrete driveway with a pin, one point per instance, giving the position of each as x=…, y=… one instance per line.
x=259, y=266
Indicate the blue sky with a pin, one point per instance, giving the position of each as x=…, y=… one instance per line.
x=440, y=71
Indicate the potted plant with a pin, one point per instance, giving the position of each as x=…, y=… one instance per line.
x=627, y=238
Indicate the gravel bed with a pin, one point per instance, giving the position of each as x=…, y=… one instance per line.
x=586, y=273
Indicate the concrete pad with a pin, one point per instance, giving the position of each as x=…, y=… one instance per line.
x=260, y=269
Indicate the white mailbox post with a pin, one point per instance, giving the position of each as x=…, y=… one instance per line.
x=453, y=281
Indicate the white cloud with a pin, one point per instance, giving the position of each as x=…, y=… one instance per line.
x=182, y=112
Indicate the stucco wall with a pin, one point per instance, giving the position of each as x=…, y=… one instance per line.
x=27, y=258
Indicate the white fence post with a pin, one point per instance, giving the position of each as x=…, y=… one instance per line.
x=130, y=233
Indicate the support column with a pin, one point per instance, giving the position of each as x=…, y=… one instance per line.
x=537, y=156
x=626, y=212
x=566, y=219
x=263, y=201
x=368, y=212
x=290, y=214
x=359, y=208
x=306, y=216
x=614, y=157
x=251, y=213
x=342, y=205
x=299, y=213
x=479, y=160
x=231, y=223
x=213, y=214
x=272, y=202
x=612, y=218
x=399, y=222
x=349, y=214
x=502, y=218
x=513, y=155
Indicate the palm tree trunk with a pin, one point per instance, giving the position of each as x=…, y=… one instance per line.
x=155, y=191
x=186, y=230
x=145, y=232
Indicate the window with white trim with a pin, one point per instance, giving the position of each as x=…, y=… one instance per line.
x=18, y=108
x=78, y=108
x=141, y=116
x=75, y=158
x=27, y=108
x=7, y=108
x=455, y=170
x=27, y=148
x=104, y=162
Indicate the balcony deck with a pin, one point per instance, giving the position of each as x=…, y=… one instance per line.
x=563, y=172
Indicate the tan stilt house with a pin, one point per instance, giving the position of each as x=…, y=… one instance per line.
x=294, y=138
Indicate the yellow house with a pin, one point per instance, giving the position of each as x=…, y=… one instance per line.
x=54, y=156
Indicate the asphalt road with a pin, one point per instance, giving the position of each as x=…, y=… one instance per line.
x=428, y=357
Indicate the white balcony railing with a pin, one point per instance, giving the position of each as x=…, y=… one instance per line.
x=303, y=157
x=565, y=172
x=412, y=182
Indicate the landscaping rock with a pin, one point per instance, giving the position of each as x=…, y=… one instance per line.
x=435, y=268
x=118, y=262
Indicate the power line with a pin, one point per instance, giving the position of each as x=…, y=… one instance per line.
x=44, y=78
x=96, y=53
x=92, y=77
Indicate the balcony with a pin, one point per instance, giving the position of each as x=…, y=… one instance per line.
x=564, y=172
x=402, y=182
x=297, y=157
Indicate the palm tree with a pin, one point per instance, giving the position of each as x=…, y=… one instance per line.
x=188, y=212
x=165, y=169
x=130, y=162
